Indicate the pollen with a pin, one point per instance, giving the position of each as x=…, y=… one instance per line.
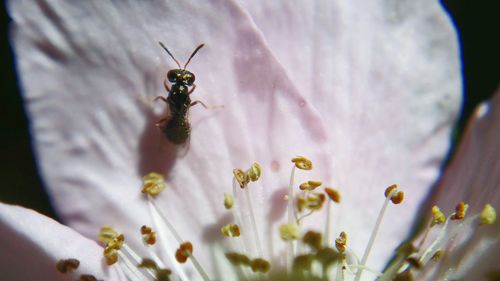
x=107, y=234
x=184, y=252
x=302, y=163
x=153, y=184
x=460, y=211
x=310, y=185
x=67, y=265
x=228, y=201
x=241, y=177
x=254, y=172
x=437, y=216
x=231, y=230
x=148, y=235
x=341, y=242
x=333, y=194
x=488, y=215
x=111, y=249
x=289, y=231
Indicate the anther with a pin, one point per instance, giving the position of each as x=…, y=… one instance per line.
x=302, y=163
x=148, y=235
x=488, y=215
x=184, y=252
x=310, y=185
x=254, y=172
x=313, y=239
x=231, y=230
x=396, y=197
x=460, y=211
x=153, y=184
x=67, y=265
x=437, y=216
x=228, y=201
x=341, y=242
x=289, y=231
x=260, y=265
x=237, y=259
x=241, y=177
x=333, y=194
x=303, y=262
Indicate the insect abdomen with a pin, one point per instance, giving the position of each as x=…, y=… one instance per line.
x=177, y=130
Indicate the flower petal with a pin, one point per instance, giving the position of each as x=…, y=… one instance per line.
x=473, y=177
x=90, y=71
x=32, y=244
x=385, y=76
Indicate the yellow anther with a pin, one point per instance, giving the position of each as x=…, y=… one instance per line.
x=111, y=255
x=153, y=184
x=437, y=216
x=302, y=163
x=228, y=201
x=107, y=234
x=184, y=252
x=148, y=235
x=314, y=201
x=289, y=231
x=313, y=239
x=341, y=242
x=163, y=274
x=396, y=196
x=254, y=172
x=260, y=265
x=333, y=194
x=67, y=265
x=488, y=215
x=310, y=185
x=460, y=211
x=241, y=177
x=231, y=230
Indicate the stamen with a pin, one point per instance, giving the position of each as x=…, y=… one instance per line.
x=313, y=239
x=460, y=211
x=231, y=230
x=228, y=201
x=67, y=265
x=153, y=184
x=289, y=231
x=389, y=193
x=334, y=196
x=488, y=215
x=148, y=235
x=310, y=185
x=289, y=228
x=241, y=177
x=302, y=163
x=341, y=242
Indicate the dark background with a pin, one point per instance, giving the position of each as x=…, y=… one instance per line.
x=20, y=183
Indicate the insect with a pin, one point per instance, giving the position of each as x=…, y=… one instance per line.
x=176, y=126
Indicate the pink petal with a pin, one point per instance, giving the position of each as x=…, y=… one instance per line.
x=474, y=177
x=90, y=72
x=385, y=77
x=32, y=244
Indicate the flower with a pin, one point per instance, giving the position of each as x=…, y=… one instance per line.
x=358, y=93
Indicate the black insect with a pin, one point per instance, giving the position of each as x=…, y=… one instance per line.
x=175, y=126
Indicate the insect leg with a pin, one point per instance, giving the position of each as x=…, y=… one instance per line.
x=198, y=102
x=161, y=98
x=192, y=89
x=161, y=121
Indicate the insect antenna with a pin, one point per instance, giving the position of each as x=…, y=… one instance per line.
x=192, y=55
x=172, y=56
